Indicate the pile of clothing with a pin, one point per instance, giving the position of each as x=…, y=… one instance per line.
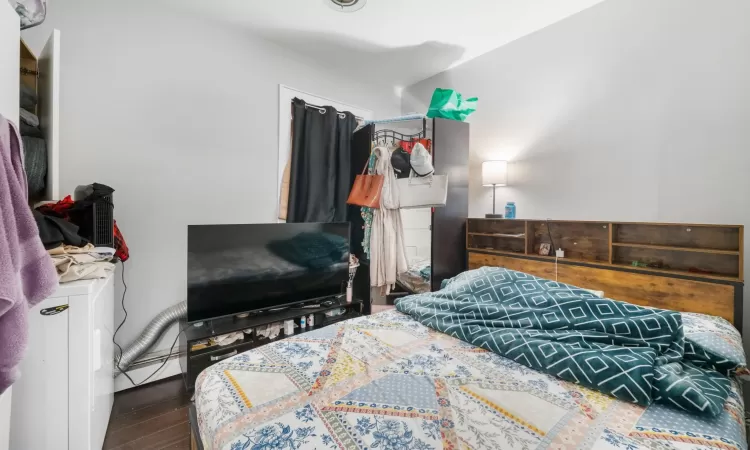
x=270, y=331
x=82, y=263
x=34, y=145
x=221, y=340
x=74, y=256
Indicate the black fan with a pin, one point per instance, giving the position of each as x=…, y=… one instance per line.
x=95, y=214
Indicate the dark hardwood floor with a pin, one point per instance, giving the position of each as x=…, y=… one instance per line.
x=154, y=416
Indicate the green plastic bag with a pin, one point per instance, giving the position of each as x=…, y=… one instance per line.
x=448, y=104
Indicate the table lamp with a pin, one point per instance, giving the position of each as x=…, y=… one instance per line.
x=494, y=173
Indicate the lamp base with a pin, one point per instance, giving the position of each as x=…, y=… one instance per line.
x=493, y=216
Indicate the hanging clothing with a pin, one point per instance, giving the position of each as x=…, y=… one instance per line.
x=284, y=193
x=387, y=248
x=361, y=155
x=409, y=145
x=27, y=274
x=319, y=179
x=367, y=212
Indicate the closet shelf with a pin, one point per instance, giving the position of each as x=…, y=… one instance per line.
x=678, y=249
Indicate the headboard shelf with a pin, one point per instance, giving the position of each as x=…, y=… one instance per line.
x=719, y=237
x=496, y=252
x=500, y=235
x=685, y=267
x=696, y=250
x=715, y=251
x=615, y=265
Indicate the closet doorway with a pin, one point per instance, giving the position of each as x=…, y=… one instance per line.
x=286, y=94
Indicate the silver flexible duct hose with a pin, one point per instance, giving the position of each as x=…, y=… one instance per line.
x=150, y=335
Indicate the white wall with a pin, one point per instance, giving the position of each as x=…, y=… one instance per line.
x=180, y=117
x=630, y=110
x=9, y=55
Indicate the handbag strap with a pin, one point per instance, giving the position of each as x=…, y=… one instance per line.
x=419, y=174
x=413, y=172
x=367, y=163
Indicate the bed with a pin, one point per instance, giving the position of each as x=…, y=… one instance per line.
x=413, y=387
x=389, y=382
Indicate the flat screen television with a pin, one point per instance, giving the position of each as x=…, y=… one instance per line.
x=234, y=269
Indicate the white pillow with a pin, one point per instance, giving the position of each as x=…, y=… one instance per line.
x=599, y=294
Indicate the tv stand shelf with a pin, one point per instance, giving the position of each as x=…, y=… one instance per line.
x=193, y=362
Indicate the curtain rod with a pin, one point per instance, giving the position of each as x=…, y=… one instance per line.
x=398, y=119
x=323, y=111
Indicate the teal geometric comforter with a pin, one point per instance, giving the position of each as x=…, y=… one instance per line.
x=633, y=353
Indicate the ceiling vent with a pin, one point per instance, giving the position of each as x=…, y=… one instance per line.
x=346, y=5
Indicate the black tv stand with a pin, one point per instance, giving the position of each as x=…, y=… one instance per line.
x=193, y=362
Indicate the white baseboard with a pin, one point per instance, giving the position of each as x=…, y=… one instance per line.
x=171, y=368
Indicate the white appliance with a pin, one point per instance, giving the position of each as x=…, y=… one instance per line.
x=64, y=397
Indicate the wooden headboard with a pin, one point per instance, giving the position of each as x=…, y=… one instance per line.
x=683, y=267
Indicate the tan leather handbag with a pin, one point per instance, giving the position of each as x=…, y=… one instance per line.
x=366, y=189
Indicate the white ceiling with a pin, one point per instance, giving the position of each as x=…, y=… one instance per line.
x=394, y=42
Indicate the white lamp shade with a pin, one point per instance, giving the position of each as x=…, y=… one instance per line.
x=495, y=173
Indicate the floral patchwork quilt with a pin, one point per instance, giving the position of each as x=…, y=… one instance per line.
x=388, y=382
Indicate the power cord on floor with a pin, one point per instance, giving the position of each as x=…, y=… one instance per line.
x=119, y=357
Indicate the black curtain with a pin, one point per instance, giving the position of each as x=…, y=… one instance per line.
x=319, y=181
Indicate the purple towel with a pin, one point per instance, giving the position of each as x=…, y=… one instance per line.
x=27, y=274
